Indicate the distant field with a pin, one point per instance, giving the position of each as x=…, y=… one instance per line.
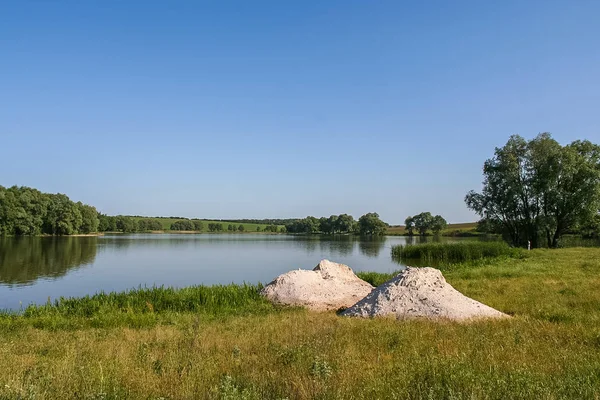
x=465, y=227
x=166, y=223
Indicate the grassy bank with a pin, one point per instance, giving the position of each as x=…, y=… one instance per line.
x=224, y=350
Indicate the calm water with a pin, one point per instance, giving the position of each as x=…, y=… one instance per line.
x=35, y=269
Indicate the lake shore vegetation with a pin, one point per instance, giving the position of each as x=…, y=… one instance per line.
x=226, y=342
x=454, y=252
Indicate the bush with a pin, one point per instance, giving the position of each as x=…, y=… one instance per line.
x=184, y=225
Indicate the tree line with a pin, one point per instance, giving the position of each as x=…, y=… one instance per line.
x=368, y=224
x=536, y=191
x=425, y=222
x=27, y=211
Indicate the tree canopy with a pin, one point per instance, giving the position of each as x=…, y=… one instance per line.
x=370, y=224
x=425, y=222
x=537, y=191
x=337, y=224
x=27, y=211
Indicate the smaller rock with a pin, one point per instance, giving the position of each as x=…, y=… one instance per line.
x=329, y=286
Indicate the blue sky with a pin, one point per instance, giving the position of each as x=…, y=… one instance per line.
x=256, y=109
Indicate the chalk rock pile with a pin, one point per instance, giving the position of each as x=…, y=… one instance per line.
x=420, y=292
x=329, y=286
x=413, y=293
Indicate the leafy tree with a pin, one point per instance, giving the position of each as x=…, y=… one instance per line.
x=355, y=227
x=89, y=218
x=126, y=224
x=438, y=223
x=423, y=222
x=107, y=223
x=370, y=224
x=326, y=225
x=230, y=227
x=311, y=224
x=215, y=227
x=306, y=225
x=149, y=224
x=257, y=228
x=198, y=225
x=182, y=225
x=344, y=223
x=241, y=228
x=63, y=216
x=539, y=189
x=271, y=228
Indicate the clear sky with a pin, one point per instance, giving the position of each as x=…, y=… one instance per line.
x=233, y=109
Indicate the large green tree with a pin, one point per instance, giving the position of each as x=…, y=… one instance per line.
x=371, y=224
x=423, y=222
x=538, y=190
x=438, y=223
x=344, y=223
x=89, y=218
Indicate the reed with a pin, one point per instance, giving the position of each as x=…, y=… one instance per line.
x=457, y=252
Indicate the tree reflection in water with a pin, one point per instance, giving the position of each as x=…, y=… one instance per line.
x=23, y=260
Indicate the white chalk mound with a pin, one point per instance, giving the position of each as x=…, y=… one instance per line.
x=329, y=286
x=420, y=293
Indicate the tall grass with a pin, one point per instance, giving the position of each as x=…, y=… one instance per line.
x=206, y=299
x=143, y=307
x=454, y=252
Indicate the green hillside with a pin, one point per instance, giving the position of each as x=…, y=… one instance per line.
x=167, y=221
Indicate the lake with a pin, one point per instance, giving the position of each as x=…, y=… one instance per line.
x=34, y=269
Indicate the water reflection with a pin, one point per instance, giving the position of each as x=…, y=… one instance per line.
x=33, y=269
x=371, y=247
x=23, y=260
x=340, y=245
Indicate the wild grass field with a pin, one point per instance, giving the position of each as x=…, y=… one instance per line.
x=228, y=343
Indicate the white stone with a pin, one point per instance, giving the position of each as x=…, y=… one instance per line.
x=420, y=293
x=329, y=286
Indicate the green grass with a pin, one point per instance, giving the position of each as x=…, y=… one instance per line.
x=166, y=224
x=143, y=307
x=376, y=278
x=455, y=252
x=550, y=349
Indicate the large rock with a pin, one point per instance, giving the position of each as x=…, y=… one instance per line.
x=420, y=292
x=330, y=286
